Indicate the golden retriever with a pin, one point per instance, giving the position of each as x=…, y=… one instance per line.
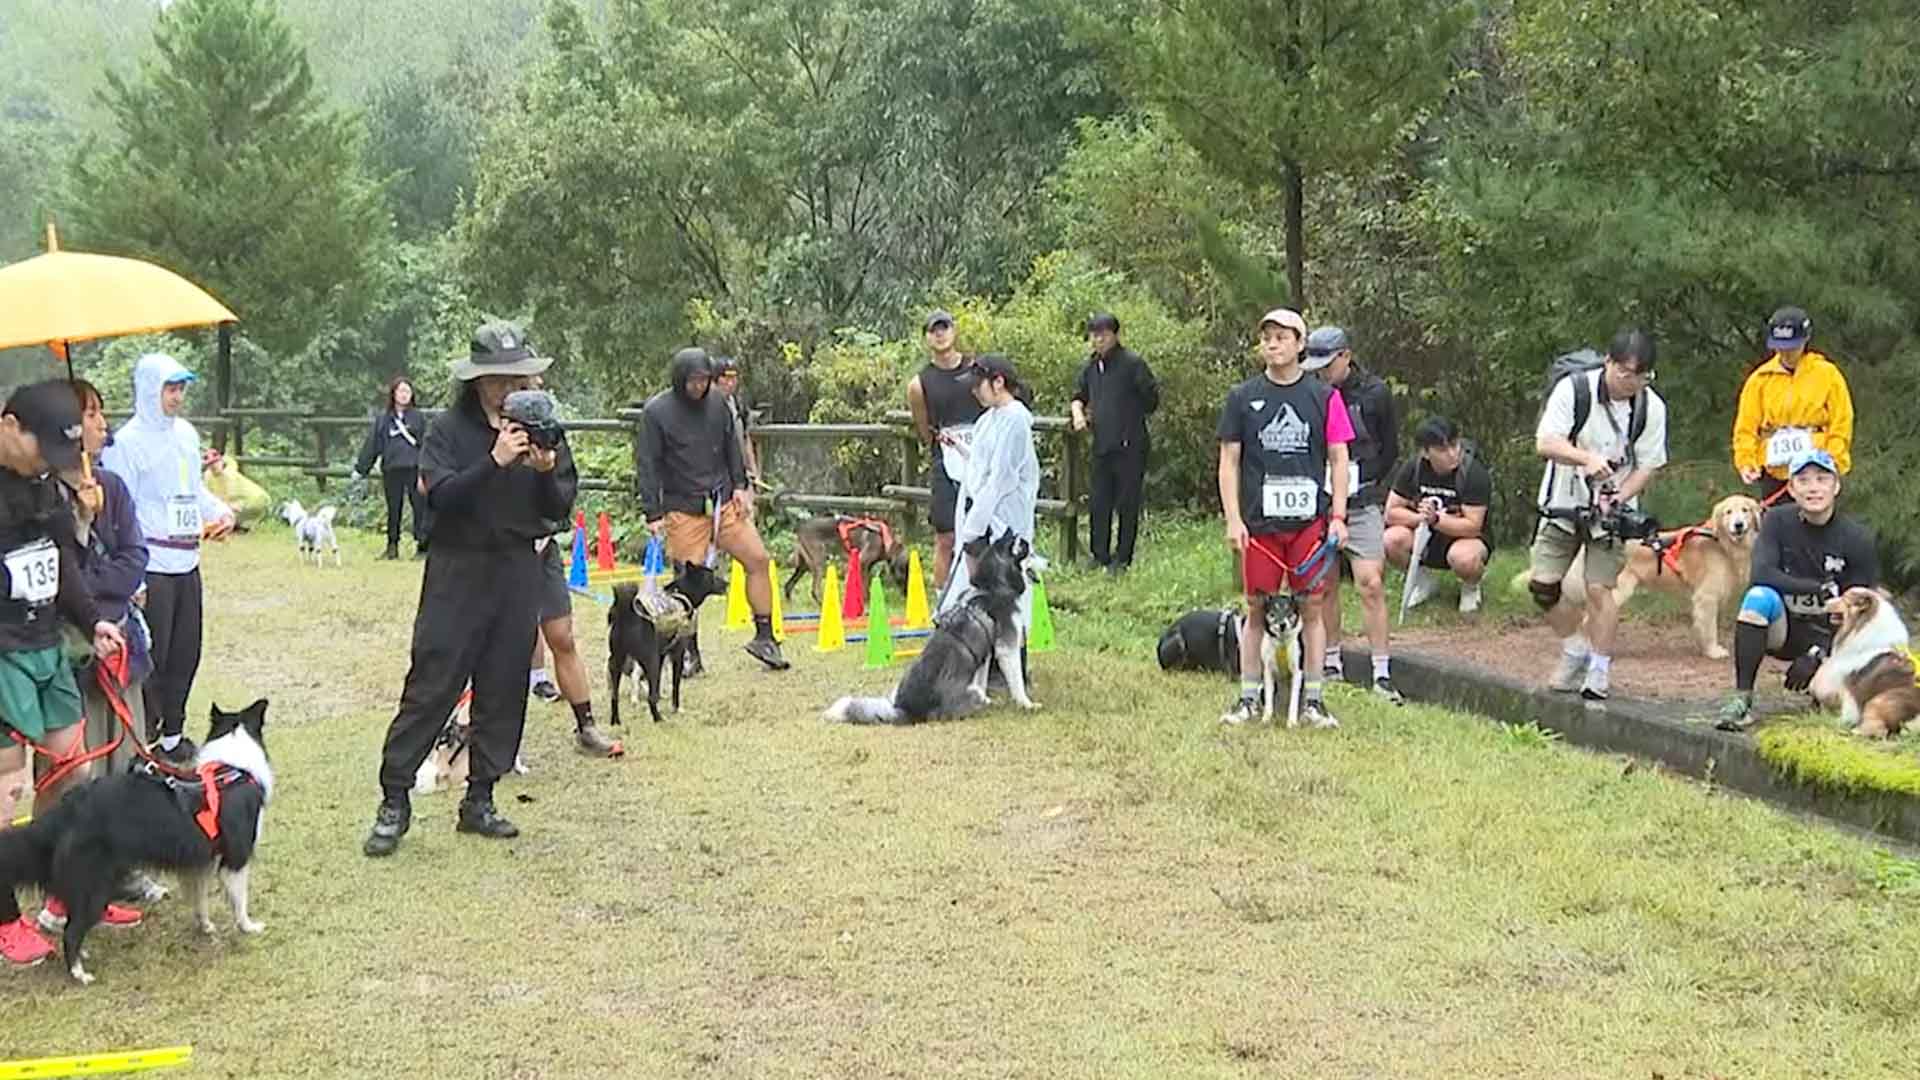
x=1713, y=563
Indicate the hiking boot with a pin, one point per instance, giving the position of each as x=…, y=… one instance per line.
x=390, y=823
x=1244, y=711
x=1736, y=713
x=53, y=916
x=1566, y=678
x=1314, y=714
x=545, y=691
x=1383, y=687
x=138, y=888
x=767, y=651
x=482, y=819
x=21, y=945
x=392, y=553
x=595, y=744
x=1469, y=599
x=181, y=754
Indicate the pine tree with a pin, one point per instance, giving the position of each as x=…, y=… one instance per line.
x=227, y=165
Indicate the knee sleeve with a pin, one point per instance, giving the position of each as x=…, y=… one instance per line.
x=1763, y=602
x=1545, y=593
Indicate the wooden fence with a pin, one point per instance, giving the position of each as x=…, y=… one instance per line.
x=336, y=441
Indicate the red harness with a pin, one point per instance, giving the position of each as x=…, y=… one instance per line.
x=1670, y=545
x=847, y=526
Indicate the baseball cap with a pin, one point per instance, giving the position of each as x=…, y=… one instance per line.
x=1322, y=345
x=723, y=365
x=1286, y=317
x=992, y=365
x=1807, y=459
x=1789, y=328
x=940, y=315
x=52, y=414
x=183, y=375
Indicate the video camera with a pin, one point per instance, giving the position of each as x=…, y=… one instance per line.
x=1622, y=522
x=538, y=413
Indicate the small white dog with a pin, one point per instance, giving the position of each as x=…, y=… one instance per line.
x=313, y=533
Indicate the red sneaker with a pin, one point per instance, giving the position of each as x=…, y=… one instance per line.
x=53, y=916
x=21, y=945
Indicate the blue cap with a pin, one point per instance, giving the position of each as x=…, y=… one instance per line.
x=180, y=377
x=1809, y=459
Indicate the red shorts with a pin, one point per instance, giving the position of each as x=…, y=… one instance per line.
x=1272, y=560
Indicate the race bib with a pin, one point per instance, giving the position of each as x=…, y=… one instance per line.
x=1353, y=478
x=34, y=570
x=1806, y=604
x=954, y=454
x=183, y=518
x=1783, y=444
x=1289, y=498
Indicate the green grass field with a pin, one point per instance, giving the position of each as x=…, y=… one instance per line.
x=1114, y=886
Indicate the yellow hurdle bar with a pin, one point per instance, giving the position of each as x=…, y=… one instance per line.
x=96, y=1064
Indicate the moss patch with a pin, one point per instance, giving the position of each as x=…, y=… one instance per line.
x=1812, y=751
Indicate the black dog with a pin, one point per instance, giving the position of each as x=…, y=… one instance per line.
x=1203, y=641
x=82, y=846
x=646, y=630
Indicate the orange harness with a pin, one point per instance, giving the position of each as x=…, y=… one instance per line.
x=846, y=526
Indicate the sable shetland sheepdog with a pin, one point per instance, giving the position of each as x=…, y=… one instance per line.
x=1870, y=674
x=80, y=848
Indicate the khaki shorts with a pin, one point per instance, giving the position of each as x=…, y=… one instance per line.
x=688, y=534
x=1555, y=545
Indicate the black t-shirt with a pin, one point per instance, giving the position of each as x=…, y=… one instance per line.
x=1469, y=485
x=1282, y=432
x=949, y=401
x=1795, y=558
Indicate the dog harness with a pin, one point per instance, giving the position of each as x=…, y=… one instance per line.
x=847, y=526
x=670, y=613
x=1669, y=545
x=199, y=794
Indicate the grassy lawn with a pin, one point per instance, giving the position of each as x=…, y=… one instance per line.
x=1111, y=887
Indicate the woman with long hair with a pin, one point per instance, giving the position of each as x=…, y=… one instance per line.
x=394, y=439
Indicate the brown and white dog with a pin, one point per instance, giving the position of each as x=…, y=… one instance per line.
x=1711, y=562
x=816, y=542
x=1870, y=675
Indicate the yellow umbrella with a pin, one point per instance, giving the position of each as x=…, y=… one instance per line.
x=66, y=296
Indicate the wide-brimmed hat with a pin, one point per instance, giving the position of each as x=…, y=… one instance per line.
x=499, y=348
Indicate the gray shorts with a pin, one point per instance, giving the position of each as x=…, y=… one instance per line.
x=556, y=600
x=1366, y=533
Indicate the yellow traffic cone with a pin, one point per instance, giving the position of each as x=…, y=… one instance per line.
x=918, y=618
x=832, y=636
x=739, y=615
x=773, y=583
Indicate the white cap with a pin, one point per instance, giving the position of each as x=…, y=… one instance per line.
x=1286, y=317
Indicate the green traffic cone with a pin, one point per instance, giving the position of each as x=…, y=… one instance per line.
x=879, y=627
x=1040, y=632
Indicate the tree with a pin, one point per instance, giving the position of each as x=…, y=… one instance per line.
x=1279, y=91
x=227, y=165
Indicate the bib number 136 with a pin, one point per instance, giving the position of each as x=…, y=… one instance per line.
x=1289, y=498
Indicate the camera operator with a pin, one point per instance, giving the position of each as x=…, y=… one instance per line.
x=493, y=493
x=1603, y=433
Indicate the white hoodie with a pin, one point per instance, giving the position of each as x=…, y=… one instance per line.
x=159, y=457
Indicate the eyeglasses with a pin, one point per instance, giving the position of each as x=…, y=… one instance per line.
x=1641, y=374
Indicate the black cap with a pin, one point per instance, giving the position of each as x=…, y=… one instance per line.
x=51, y=413
x=721, y=365
x=990, y=366
x=1789, y=328
x=1103, y=320
x=940, y=315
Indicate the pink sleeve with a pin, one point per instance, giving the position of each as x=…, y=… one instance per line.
x=1339, y=424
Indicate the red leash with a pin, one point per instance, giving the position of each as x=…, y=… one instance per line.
x=112, y=676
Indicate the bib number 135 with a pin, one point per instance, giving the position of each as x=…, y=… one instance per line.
x=33, y=572
x=1289, y=498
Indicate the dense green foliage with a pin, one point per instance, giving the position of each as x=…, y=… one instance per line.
x=1469, y=188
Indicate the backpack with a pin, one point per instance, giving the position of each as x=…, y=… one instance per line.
x=1579, y=362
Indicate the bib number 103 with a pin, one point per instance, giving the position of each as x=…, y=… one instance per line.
x=1289, y=498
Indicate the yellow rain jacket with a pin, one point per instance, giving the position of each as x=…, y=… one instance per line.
x=1812, y=397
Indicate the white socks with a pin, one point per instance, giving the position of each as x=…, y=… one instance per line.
x=536, y=677
x=1576, y=645
x=1380, y=666
x=1599, y=664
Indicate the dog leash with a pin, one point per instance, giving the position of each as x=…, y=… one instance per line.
x=111, y=675
x=1314, y=568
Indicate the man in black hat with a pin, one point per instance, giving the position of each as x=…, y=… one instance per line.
x=1116, y=394
x=693, y=488
x=943, y=410
x=493, y=494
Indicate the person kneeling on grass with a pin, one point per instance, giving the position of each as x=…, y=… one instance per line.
x=40, y=565
x=1805, y=555
x=1448, y=490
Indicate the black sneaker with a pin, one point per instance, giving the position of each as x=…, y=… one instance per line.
x=1383, y=687
x=390, y=823
x=392, y=553
x=181, y=754
x=546, y=691
x=767, y=651
x=1736, y=713
x=482, y=819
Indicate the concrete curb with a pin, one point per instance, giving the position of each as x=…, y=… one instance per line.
x=1655, y=731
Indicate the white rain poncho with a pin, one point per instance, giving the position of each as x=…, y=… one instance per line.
x=159, y=458
x=998, y=492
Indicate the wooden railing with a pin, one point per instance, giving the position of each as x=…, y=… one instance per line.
x=336, y=441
